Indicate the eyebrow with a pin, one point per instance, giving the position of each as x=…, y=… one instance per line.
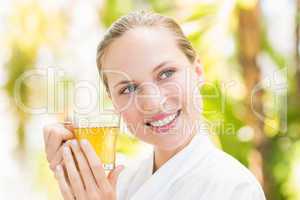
x=123, y=82
x=154, y=70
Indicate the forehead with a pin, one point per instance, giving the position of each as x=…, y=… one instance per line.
x=140, y=49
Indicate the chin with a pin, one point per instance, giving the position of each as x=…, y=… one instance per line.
x=171, y=142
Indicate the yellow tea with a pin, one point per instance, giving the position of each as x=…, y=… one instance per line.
x=103, y=140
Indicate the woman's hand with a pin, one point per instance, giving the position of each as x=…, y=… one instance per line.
x=55, y=135
x=88, y=181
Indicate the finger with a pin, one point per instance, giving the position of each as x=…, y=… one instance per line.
x=58, y=134
x=85, y=171
x=46, y=131
x=73, y=175
x=58, y=158
x=96, y=166
x=114, y=174
x=63, y=185
x=66, y=174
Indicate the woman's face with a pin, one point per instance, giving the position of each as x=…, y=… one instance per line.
x=153, y=86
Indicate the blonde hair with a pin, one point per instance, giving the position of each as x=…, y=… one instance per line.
x=143, y=19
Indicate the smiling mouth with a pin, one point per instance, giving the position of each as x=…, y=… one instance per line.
x=164, y=123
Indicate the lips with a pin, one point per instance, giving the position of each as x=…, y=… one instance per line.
x=158, y=125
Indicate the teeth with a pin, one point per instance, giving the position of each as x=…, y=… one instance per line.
x=164, y=121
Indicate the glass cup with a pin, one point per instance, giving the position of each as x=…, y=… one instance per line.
x=101, y=131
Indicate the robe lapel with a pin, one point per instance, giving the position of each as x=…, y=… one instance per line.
x=142, y=175
x=152, y=186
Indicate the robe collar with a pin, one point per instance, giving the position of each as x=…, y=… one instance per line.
x=147, y=185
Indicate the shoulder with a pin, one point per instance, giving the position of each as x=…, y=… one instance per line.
x=220, y=176
x=228, y=169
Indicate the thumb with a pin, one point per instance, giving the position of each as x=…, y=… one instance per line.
x=114, y=174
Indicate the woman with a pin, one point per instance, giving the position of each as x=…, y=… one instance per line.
x=152, y=74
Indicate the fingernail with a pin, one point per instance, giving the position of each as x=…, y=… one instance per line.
x=58, y=168
x=84, y=142
x=67, y=143
x=74, y=143
x=66, y=150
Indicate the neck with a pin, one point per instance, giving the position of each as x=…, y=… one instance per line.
x=161, y=156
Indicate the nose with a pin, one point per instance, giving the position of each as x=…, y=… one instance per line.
x=149, y=99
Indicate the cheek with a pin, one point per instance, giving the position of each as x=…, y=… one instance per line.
x=119, y=102
x=194, y=98
x=185, y=92
x=131, y=117
x=190, y=96
x=124, y=104
x=134, y=123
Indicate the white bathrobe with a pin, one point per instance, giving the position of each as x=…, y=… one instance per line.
x=200, y=171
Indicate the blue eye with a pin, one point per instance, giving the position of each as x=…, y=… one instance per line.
x=166, y=74
x=128, y=89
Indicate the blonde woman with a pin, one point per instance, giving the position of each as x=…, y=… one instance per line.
x=152, y=74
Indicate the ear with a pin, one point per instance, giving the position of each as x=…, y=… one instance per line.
x=199, y=70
